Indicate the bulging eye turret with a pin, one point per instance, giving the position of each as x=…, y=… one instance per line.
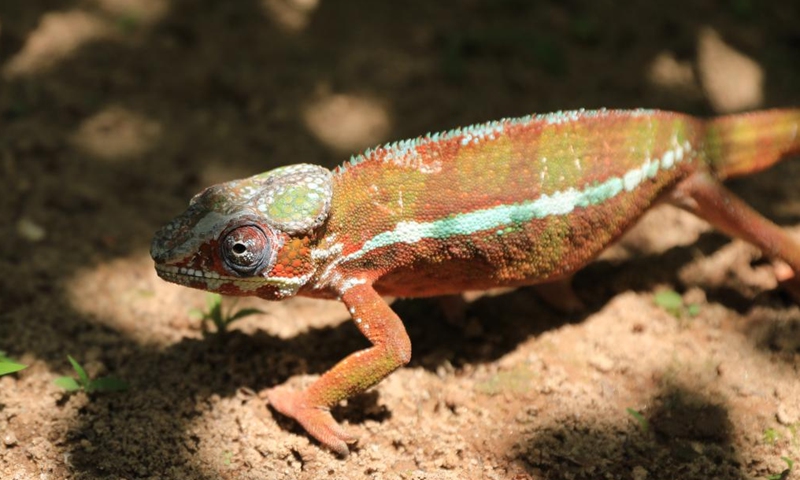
x=246, y=249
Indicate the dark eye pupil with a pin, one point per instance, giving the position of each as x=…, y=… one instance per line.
x=246, y=249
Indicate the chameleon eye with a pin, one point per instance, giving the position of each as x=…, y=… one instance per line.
x=246, y=249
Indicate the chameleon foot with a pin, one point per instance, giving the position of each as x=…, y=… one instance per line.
x=316, y=420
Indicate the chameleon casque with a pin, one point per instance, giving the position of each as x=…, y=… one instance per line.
x=512, y=202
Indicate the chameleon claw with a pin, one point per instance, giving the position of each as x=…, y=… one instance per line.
x=787, y=280
x=316, y=420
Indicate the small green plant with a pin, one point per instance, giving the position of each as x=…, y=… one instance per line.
x=9, y=366
x=643, y=423
x=784, y=474
x=672, y=302
x=214, y=313
x=88, y=385
x=771, y=436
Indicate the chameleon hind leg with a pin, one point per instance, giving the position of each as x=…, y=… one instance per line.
x=391, y=349
x=706, y=197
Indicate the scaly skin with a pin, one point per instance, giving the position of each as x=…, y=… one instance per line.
x=514, y=202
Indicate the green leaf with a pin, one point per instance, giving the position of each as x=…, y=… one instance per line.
x=197, y=314
x=107, y=384
x=669, y=300
x=83, y=378
x=771, y=436
x=7, y=367
x=67, y=383
x=245, y=312
x=643, y=423
x=213, y=300
x=784, y=474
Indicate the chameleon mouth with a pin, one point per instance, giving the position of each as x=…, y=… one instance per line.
x=190, y=277
x=175, y=271
x=210, y=281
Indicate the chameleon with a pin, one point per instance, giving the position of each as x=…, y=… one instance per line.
x=518, y=201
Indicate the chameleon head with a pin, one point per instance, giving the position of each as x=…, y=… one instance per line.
x=249, y=236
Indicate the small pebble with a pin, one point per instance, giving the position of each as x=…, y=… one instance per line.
x=640, y=473
x=30, y=231
x=9, y=439
x=602, y=363
x=87, y=445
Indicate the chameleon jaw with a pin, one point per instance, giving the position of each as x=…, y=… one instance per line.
x=190, y=277
x=270, y=288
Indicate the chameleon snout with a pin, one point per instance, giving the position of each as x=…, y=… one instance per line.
x=162, y=244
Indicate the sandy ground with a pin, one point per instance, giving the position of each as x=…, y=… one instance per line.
x=114, y=112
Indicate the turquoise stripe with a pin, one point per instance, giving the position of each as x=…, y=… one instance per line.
x=559, y=203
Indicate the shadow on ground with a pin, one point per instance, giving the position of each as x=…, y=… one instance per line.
x=683, y=435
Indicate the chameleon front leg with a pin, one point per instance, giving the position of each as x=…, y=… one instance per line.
x=390, y=350
x=706, y=197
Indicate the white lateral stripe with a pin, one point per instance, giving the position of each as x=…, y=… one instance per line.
x=559, y=203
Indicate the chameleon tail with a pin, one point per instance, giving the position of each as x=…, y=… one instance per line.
x=746, y=143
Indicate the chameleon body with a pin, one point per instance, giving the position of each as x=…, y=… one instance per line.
x=511, y=202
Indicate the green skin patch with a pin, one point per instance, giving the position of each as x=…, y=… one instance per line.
x=295, y=199
x=295, y=205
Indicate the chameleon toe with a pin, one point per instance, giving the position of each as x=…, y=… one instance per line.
x=317, y=421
